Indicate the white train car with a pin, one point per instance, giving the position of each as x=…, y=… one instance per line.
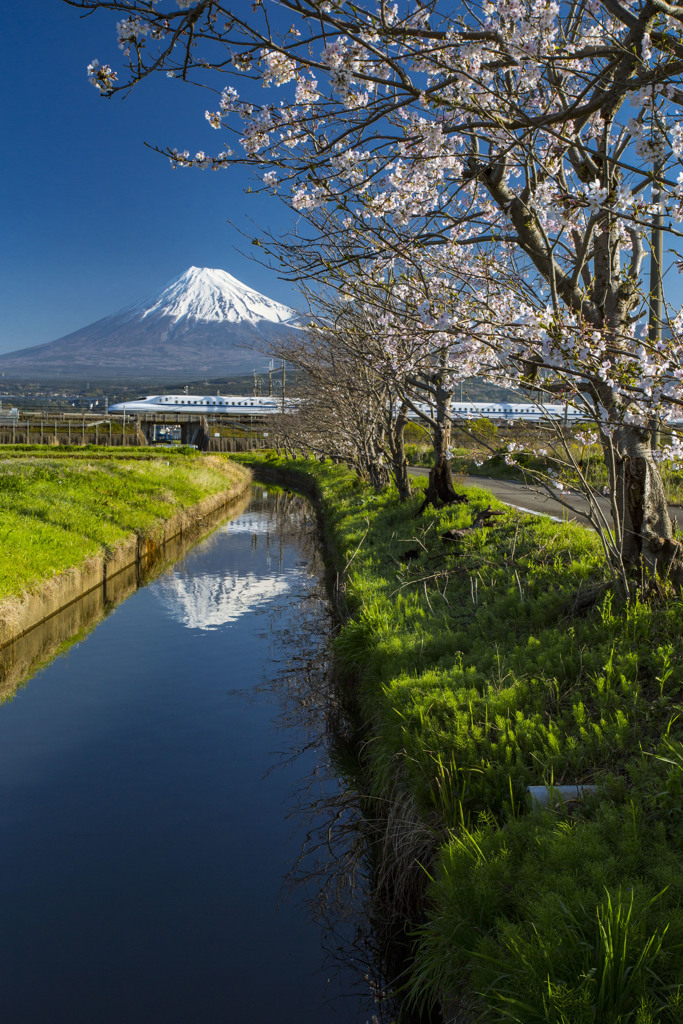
x=205, y=405
x=263, y=405
x=509, y=411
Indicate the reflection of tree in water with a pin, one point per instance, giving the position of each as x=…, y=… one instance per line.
x=336, y=870
x=291, y=515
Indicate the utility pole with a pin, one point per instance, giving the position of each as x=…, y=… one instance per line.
x=654, y=329
x=283, y=385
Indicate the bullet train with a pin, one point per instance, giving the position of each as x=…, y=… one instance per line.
x=257, y=405
x=263, y=405
x=508, y=411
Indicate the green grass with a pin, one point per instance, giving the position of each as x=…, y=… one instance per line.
x=476, y=679
x=55, y=512
x=94, y=452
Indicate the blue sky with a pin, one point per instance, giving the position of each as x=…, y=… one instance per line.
x=91, y=219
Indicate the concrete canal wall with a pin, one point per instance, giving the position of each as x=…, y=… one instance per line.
x=20, y=614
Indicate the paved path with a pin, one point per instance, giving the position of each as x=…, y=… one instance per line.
x=534, y=499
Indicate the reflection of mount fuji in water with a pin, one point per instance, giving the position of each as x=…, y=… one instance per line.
x=207, y=602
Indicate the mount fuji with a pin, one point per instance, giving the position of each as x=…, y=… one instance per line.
x=204, y=323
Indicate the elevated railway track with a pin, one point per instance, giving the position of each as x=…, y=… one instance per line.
x=216, y=433
x=216, y=422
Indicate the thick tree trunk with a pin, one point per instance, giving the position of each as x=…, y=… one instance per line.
x=647, y=536
x=440, y=487
x=441, y=481
x=398, y=454
x=440, y=478
x=378, y=475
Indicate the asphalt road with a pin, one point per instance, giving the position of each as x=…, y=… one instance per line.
x=534, y=499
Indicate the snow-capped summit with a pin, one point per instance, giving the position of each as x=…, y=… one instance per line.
x=210, y=601
x=204, y=323
x=213, y=295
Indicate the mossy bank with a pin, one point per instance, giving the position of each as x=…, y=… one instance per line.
x=69, y=523
x=476, y=677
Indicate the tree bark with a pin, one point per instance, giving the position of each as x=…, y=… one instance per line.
x=440, y=477
x=440, y=487
x=378, y=474
x=441, y=481
x=640, y=503
x=398, y=454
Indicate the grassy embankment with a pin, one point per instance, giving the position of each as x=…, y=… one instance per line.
x=60, y=507
x=476, y=680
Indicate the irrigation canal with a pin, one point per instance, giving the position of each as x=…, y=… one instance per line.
x=157, y=782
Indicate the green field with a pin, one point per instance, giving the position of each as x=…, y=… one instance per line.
x=58, y=507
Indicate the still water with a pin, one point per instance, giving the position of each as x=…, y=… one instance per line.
x=147, y=783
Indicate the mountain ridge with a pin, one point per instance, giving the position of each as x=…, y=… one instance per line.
x=204, y=322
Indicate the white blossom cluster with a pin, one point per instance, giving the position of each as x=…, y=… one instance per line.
x=101, y=76
x=131, y=31
x=201, y=160
x=279, y=68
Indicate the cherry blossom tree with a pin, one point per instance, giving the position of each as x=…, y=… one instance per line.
x=414, y=347
x=345, y=324
x=526, y=151
x=419, y=328
x=345, y=408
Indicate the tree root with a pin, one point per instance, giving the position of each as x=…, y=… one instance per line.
x=586, y=598
x=440, y=489
x=479, y=522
